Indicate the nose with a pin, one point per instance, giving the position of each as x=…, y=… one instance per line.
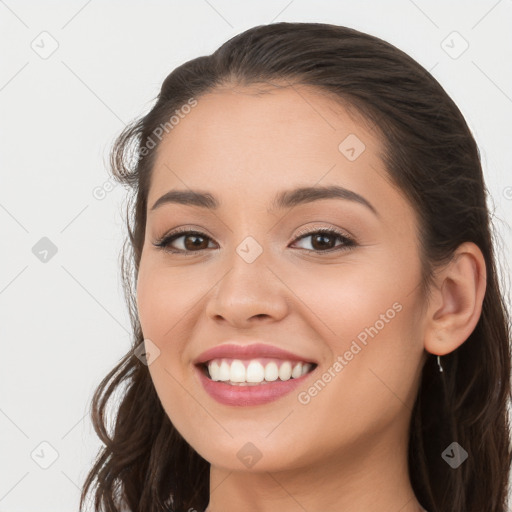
x=248, y=294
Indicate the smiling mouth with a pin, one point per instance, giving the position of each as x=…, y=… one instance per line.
x=254, y=372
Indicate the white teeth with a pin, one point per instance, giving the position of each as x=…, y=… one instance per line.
x=236, y=372
x=297, y=371
x=214, y=370
x=223, y=371
x=271, y=372
x=285, y=372
x=255, y=372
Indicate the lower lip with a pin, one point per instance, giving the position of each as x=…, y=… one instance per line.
x=228, y=394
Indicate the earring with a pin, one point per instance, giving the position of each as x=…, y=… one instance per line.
x=439, y=364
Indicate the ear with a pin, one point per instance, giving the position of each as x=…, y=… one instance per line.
x=455, y=302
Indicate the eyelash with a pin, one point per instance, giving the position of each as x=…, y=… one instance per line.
x=163, y=243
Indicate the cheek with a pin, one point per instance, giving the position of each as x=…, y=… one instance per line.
x=164, y=296
x=368, y=315
x=343, y=300
x=163, y=299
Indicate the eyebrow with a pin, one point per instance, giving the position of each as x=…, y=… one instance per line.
x=284, y=199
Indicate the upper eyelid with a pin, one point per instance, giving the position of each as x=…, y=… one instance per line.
x=185, y=230
x=316, y=229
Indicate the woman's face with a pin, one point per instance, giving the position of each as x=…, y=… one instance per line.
x=259, y=274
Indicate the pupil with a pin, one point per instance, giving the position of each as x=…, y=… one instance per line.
x=323, y=238
x=196, y=243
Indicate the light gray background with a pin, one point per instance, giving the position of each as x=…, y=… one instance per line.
x=64, y=324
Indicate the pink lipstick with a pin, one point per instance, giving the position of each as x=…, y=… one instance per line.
x=245, y=375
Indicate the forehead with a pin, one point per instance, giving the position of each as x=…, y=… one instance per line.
x=254, y=140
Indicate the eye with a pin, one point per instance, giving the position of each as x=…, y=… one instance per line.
x=323, y=240
x=193, y=241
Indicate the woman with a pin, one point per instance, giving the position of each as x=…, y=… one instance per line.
x=317, y=318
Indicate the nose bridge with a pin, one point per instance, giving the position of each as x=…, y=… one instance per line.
x=248, y=289
x=249, y=239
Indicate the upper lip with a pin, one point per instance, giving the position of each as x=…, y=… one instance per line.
x=252, y=351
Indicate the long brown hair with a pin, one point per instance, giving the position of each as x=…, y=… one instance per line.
x=431, y=155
